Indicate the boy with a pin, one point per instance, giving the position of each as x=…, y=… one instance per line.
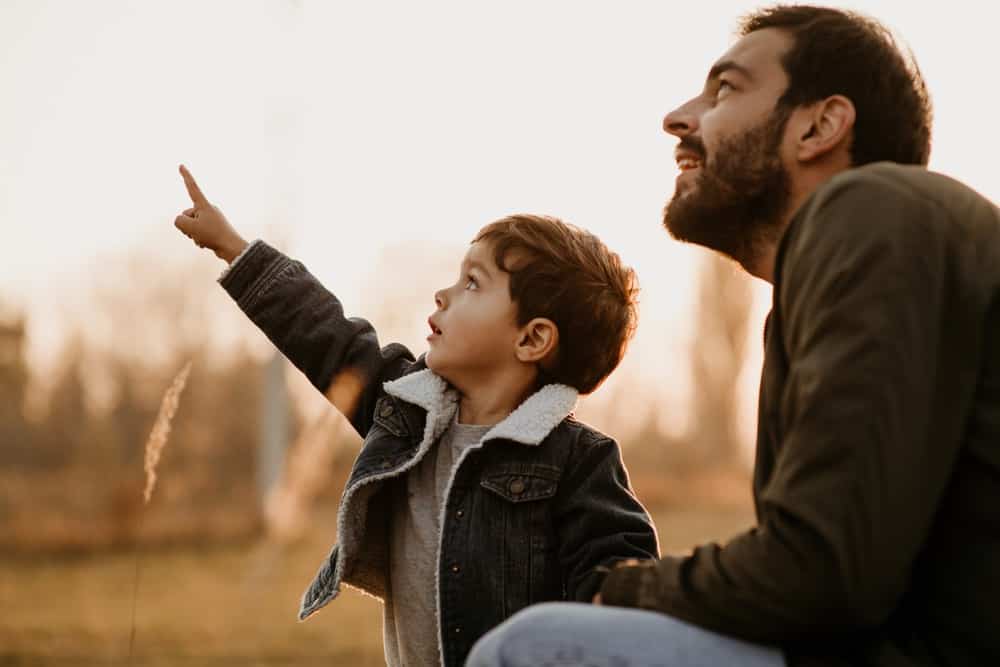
x=475, y=493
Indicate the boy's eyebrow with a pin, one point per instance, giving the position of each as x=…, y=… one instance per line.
x=473, y=264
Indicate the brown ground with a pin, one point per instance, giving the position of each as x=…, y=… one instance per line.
x=231, y=605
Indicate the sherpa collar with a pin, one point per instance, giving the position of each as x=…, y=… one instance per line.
x=528, y=424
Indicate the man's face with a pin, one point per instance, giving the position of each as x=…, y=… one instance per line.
x=474, y=330
x=733, y=187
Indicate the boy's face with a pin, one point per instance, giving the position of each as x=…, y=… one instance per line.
x=474, y=330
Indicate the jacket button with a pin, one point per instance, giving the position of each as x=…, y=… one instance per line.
x=458, y=631
x=455, y=568
x=386, y=410
x=516, y=487
x=460, y=513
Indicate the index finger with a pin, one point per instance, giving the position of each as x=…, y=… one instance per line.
x=194, y=191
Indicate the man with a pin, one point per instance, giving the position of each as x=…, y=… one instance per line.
x=877, y=472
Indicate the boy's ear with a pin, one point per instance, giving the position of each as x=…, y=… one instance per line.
x=537, y=341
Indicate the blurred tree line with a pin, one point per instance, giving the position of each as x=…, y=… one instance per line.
x=71, y=476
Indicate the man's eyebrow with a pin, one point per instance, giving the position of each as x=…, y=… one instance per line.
x=725, y=66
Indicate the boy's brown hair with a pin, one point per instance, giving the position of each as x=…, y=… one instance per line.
x=569, y=276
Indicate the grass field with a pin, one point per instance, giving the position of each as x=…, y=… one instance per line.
x=232, y=605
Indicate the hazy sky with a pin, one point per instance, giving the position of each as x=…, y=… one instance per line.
x=340, y=128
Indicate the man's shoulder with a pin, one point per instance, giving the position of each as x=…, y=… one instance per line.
x=885, y=221
x=888, y=174
x=877, y=185
x=887, y=185
x=883, y=202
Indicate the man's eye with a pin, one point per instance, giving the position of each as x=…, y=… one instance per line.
x=724, y=87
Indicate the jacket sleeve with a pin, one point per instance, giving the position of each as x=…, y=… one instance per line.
x=599, y=521
x=861, y=297
x=341, y=356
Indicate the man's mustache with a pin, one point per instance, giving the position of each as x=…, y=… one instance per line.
x=693, y=144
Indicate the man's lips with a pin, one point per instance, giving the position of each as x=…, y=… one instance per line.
x=688, y=164
x=687, y=160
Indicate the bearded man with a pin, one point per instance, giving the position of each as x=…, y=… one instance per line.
x=877, y=471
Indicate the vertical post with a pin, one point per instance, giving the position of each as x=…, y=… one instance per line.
x=285, y=143
x=274, y=426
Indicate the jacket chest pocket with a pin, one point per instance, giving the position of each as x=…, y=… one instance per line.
x=521, y=498
x=521, y=525
x=523, y=484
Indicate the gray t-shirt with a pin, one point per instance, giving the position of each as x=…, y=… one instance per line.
x=410, y=622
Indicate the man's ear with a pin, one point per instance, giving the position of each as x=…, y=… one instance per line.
x=537, y=341
x=825, y=127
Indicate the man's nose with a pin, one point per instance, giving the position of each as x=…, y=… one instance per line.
x=683, y=120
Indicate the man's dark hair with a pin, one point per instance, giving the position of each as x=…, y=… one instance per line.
x=842, y=53
x=568, y=275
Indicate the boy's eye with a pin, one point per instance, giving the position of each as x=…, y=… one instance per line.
x=470, y=283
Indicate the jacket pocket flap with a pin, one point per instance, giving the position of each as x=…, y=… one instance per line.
x=524, y=484
x=389, y=416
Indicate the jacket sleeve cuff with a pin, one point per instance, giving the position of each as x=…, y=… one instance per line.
x=232, y=264
x=628, y=586
x=252, y=271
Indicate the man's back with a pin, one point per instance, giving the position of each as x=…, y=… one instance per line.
x=881, y=388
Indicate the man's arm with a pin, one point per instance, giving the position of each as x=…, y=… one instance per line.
x=859, y=475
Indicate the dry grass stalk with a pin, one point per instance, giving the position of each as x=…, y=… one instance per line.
x=161, y=429
x=154, y=449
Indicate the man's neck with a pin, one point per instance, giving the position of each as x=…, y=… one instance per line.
x=763, y=264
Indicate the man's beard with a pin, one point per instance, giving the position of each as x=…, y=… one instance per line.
x=739, y=199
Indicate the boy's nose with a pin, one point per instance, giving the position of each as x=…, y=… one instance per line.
x=439, y=298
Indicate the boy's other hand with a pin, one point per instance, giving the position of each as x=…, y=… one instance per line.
x=206, y=225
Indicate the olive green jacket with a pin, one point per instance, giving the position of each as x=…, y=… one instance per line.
x=877, y=474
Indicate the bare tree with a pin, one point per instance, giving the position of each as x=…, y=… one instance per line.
x=721, y=320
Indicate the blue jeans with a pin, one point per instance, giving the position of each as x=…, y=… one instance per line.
x=567, y=633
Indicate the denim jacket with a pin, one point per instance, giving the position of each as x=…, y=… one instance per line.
x=538, y=510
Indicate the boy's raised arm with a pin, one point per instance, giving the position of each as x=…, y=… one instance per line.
x=341, y=356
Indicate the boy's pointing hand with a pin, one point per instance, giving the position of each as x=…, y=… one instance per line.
x=206, y=225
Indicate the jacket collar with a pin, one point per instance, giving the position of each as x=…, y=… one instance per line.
x=528, y=424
